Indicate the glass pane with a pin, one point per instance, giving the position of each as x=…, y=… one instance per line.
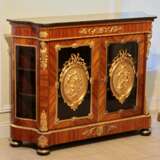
x=25, y=82
x=26, y=106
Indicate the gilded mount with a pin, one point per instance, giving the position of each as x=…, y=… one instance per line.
x=74, y=81
x=122, y=75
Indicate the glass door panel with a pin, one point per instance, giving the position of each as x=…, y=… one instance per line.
x=26, y=82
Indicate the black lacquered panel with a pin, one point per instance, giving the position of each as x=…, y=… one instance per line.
x=26, y=82
x=64, y=111
x=25, y=57
x=112, y=103
x=26, y=106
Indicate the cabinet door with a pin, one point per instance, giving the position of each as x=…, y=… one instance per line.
x=24, y=86
x=73, y=72
x=25, y=82
x=122, y=77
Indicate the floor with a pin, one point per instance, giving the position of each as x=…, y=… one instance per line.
x=130, y=146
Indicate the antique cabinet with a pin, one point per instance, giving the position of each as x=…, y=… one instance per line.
x=78, y=77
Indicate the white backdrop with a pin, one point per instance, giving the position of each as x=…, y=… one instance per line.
x=150, y=7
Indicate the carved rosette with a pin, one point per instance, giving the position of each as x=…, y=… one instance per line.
x=43, y=55
x=122, y=75
x=74, y=81
x=43, y=121
x=42, y=141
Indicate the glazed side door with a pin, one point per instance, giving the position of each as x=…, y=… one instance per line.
x=122, y=83
x=24, y=87
x=73, y=82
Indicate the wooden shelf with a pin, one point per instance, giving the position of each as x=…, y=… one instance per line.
x=26, y=94
x=26, y=69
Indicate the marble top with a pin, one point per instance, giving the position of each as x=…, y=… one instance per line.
x=90, y=18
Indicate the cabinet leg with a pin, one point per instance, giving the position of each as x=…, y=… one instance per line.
x=15, y=143
x=43, y=151
x=145, y=132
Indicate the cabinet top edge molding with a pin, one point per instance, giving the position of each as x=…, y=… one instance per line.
x=80, y=19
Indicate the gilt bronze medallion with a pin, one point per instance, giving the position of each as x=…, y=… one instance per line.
x=74, y=81
x=122, y=75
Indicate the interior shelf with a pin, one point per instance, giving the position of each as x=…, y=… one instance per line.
x=26, y=69
x=26, y=94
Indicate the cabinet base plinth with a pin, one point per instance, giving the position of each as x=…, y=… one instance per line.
x=140, y=123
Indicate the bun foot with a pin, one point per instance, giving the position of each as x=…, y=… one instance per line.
x=145, y=132
x=15, y=143
x=43, y=151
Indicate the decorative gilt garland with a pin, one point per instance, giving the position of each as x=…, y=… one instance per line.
x=122, y=75
x=42, y=141
x=43, y=121
x=74, y=81
x=43, y=55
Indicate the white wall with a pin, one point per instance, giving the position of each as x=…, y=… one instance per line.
x=4, y=117
x=4, y=91
x=30, y=8
x=151, y=7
